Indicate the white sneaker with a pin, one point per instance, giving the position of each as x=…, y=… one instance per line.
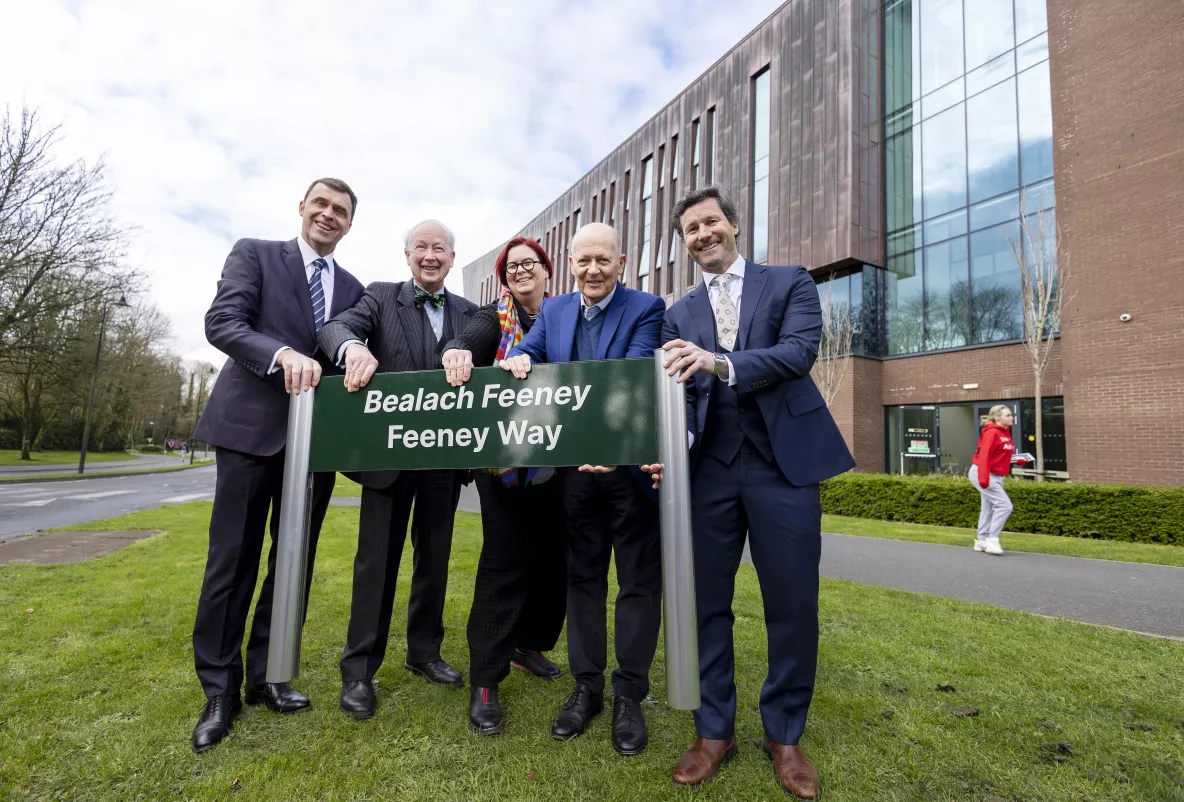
x=992, y=546
x=980, y=544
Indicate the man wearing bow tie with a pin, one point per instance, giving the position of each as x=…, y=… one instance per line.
x=400, y=327
x=271, y=300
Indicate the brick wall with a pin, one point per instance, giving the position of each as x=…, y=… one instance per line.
x=1118, y=124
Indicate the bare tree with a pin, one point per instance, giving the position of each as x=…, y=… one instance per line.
x=1045, y=290
x=834, y=351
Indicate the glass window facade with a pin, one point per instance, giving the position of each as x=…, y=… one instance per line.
x=856, y=294
x=761, y=134
x=968, y=126
x=647, y=208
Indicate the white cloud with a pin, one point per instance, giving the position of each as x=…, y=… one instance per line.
x=214, y=116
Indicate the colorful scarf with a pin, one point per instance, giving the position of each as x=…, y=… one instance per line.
x=512, y=334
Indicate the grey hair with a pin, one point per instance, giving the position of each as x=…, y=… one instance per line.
x=616, y=235
x=448, y=235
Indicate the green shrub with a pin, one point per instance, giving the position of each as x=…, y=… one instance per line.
x=1110, y=512
x=151, y=448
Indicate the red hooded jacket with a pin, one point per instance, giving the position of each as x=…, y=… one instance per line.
x=993, y=455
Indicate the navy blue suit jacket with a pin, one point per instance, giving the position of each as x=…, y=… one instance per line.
x=632, y=325
x=780, y=330
x=262, y=304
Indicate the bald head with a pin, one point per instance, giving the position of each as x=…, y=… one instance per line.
x=596, y=261
x=601, y=233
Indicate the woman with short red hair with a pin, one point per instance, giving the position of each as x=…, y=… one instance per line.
x=520, y=594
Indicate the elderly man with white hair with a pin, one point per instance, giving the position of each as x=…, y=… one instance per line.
x=399, y=326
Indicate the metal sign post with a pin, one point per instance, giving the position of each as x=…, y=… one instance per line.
x=291, y=561
x=678, y=563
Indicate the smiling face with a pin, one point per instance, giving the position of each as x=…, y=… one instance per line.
x=596, y=261
x=524, y=283
x=709, y=236
x=327, y=215
x=429, y=256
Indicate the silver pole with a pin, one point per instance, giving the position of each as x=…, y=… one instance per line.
x=678, y=562
x=291, y=561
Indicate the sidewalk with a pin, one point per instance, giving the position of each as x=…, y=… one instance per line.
x=1143, y=598
x=139, y=462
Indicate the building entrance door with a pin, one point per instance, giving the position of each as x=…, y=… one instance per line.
x=918, y=440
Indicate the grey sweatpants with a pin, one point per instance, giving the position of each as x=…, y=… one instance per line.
x=996, y=506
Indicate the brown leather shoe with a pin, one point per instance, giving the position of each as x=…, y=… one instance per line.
x=794, y=772
x=702, y=760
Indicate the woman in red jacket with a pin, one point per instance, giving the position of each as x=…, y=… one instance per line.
x=992, y=461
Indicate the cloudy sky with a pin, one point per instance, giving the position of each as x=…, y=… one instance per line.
x=214, y=116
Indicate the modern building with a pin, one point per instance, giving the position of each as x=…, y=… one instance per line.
x=898, y=149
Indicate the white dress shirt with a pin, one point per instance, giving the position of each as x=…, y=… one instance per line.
x=309, y=256
x=735, y=290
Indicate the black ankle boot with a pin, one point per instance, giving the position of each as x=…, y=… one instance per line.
x=485, y=714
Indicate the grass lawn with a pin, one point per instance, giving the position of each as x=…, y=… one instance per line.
x=164, y=469
x=99, y=699
x=10, y=457
x=1012, y=541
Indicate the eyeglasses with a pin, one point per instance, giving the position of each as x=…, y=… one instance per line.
x=526, y=264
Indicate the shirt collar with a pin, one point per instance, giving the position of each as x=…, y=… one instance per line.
x=310, y=256
x=603, y=303
x=737, y=270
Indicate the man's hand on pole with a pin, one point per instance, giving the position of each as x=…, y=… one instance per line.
x=300, y=372
x=655, y=472
x=360, y=365
x=687, y=358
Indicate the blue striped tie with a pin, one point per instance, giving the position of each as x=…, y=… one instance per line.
x=318, y=293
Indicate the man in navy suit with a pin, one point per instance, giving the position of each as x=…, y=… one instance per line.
x=608, y=509
x=271, y=300
x=762, y=439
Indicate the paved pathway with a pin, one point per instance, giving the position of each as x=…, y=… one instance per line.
x=136, y=463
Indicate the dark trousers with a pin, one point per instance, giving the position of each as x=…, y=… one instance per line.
x=610, y=515
x=382, y=530
x=520, y=594
x=784, y=528
x=247, y=488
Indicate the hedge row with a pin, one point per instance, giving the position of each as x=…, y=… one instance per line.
x=1110, y=512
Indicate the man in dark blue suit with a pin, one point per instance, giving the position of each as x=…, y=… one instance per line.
x=762, y=439
x=608, y=509
x=271, y=300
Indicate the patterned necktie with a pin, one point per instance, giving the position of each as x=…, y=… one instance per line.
x=318, y=293
x=423, y=296
x=727, y=323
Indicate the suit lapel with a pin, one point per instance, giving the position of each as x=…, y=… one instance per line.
x=295, y=265
x=412, y=322
x=567, y=327
x=340, y=279
x=453, y=314
x=755, y=277
x=699, y=305
x=612, y=320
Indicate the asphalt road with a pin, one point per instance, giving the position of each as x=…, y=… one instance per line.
x=29, y=506
x=137, y=463
x=1143, y=598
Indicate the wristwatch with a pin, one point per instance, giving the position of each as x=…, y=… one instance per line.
x=721, y=366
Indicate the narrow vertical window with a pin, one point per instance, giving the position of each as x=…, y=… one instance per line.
x=671, y=252
x=663, y=167
x=760, y=167
x=709, y=144
x=570, y=280
x=647, y=200
x=696, y=149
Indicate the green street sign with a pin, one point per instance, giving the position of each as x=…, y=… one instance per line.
x=571, y=413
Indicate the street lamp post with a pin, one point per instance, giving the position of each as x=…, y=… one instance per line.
x=94, y=377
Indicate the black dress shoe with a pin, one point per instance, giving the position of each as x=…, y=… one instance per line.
x=629, y=733
x=278, y=696
x=437, y=672
x=357, y=698
x=536, y=664
x=485, y=714
x=576, y=712
x=217, y=717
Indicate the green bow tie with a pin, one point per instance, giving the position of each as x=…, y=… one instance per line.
x=423, y=296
